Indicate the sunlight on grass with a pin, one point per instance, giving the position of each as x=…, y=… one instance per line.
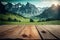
x=33, y=23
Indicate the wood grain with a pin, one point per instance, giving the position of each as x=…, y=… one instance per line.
x=30, y=32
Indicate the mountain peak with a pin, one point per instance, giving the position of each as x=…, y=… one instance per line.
x=9, y=4
x=18, y=4
x=53, y=5
x=28, y=4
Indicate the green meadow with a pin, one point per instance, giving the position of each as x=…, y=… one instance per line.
x=17, y=19
x=34, y=23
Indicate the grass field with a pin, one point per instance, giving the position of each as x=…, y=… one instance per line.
x=35, y=23
x=24, y=20
x=13, y=16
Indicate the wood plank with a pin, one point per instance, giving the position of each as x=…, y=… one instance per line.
x=54, y=32
x=29, y=32
x=12, y=33
x=44, y=33
x=55, y=28
x=6, y=27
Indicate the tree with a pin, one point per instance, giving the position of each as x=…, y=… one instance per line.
x=15, y=20
x=1, y=19
x=9, y=19
x=31, y=20
x=19, y=21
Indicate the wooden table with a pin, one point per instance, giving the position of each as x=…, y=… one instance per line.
x=30, y=32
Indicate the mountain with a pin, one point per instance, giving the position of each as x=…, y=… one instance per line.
x=27, y=10
x=52, y=13
x=18, y=5
x=2, y=8
x=8, y=6
x=12, y=8
x=42, y=9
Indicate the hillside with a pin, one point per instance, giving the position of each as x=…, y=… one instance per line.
x=12, y=17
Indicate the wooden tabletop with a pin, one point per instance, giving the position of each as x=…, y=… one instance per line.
x=30, y=32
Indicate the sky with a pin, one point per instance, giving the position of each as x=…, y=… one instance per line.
x=37, y=3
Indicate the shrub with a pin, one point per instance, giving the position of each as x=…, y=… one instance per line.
x=15, y=20
x=9, y=19
x=31, y=20
x=19, y=21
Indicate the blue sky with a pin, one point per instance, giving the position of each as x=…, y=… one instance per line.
x=37, y=3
